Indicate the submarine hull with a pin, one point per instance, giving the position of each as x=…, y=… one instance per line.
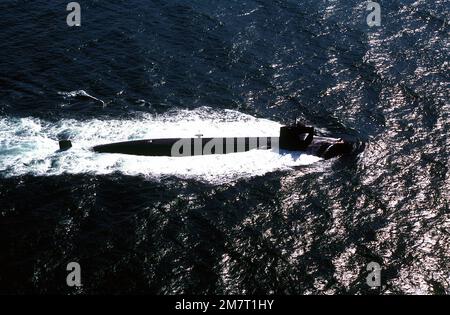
x=292, y=138
x=188, y=146
x=324, y=147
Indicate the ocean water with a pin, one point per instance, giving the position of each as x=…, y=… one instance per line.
x=252, y=223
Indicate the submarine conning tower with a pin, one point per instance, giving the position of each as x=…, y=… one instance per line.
x=299, y=137
x=296, y=138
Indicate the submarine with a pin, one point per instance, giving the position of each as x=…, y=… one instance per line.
x=297, y=137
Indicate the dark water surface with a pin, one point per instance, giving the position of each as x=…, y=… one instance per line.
x=286, y=230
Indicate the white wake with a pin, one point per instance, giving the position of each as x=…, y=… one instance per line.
x=29, y=145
